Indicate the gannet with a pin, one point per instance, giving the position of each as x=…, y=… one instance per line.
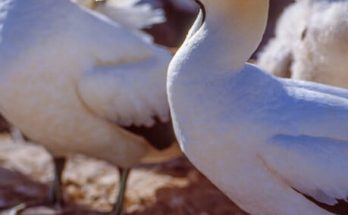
x=76, y=82
x=310, y=43
x=264, y=141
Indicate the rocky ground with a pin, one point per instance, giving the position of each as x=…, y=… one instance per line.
x=90, y=186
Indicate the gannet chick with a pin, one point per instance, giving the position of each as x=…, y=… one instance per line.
x=310, y=43
x=266, y=142
x=76, y=82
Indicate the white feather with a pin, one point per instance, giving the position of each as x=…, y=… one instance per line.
x=129, y=13
x=128, y=94
x=314, y=35
x=52, y=53
x=259, y=138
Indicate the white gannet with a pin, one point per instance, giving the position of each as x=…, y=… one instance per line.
x=264, y=141
x=76, y=82
x=310, y=43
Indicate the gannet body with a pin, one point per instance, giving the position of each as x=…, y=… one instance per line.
x=262, y=140
x=72, y=80
x=310, y=43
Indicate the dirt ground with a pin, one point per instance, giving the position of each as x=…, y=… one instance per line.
x=90, y=186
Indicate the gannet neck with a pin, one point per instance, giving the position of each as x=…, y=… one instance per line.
x=232, y=31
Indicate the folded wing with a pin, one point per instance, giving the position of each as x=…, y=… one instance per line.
x=310, y=152
x=128, y=94
x=124, y=77
x=316, y=87
x=315, y=166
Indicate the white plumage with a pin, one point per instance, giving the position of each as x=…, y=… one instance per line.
x=69, y=78
x=131, y=94
x=259, y=138
x=310, y=43
x=128, y=13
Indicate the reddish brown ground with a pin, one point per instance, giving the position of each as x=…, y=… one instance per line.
x=171, y=188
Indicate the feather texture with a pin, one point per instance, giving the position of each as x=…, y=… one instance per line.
x=310, y=43
x=263, y=140
x=56, y=79
x=129, y=13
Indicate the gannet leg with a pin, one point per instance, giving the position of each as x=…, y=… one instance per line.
x=118, y=207
x=55, y=192
x=55, y=197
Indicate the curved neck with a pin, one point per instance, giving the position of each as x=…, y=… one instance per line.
x=232, y=31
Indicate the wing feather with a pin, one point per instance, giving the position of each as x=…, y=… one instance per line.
x=315, y=166
x=314, y=110
x=310, y=150
x=128, y=94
